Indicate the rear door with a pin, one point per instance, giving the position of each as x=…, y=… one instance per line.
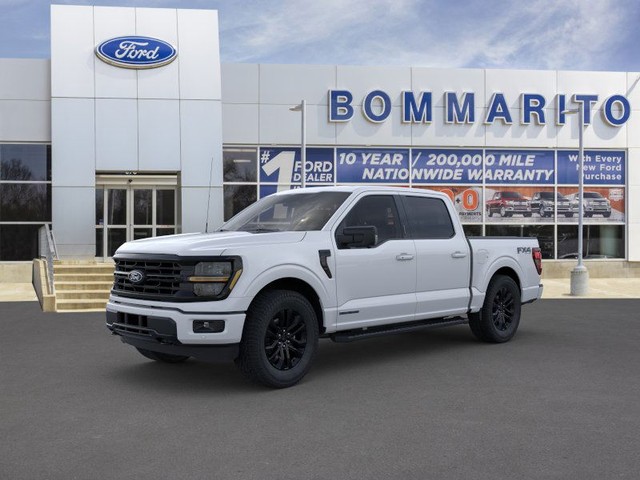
x=442, y=257
x=375, y=285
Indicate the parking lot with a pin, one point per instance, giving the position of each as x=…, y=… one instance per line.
x=562, y=400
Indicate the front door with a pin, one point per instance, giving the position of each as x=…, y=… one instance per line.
x=376, y=285
x=132, y=211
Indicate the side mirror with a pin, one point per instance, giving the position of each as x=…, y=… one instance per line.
x=357, y=237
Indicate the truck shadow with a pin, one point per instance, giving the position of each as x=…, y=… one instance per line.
x=331, y=358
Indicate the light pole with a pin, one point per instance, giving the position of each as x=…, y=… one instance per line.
x=580, y=274
x=302, y=107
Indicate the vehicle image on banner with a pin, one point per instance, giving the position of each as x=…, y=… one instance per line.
x=595, y=204
x=344, y=263
x=508, y=203
x=544, y=204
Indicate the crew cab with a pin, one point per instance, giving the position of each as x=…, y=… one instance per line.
x=507, y=203
x=344, y=263
x=594, y=204
x=545, y=202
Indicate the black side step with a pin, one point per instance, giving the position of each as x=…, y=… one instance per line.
x=362, y=333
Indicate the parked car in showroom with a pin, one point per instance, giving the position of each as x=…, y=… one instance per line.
x=594, y=204
x=544, y=204
x=508, y=203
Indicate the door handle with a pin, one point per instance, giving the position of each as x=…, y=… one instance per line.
x=458, y=254
x=404, y=256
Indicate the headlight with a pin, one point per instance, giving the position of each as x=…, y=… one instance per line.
x=510, y=202
x=211, y=278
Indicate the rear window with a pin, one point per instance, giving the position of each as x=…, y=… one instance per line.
x=428, y=218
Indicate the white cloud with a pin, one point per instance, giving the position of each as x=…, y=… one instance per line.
x=535, y=34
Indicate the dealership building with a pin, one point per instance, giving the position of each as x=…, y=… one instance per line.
x=134, y=129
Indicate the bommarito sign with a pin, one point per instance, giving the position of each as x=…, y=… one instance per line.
x=460, y=108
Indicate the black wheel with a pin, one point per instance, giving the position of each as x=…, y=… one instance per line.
x=489, y=212
x=568, y=215
x=542, y=212
x=279, y=340
x=527, y=214
x=606, y=215
x=499, y=317
x=161, y=357
x=587, y=215
x=503, y=212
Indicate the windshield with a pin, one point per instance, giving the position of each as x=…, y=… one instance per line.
x=282, y=213
x=511, y=195
x=592, y=195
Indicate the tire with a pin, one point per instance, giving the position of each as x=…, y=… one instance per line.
x=503, y=212
x=542, y=212
x=588, y=215
x=498, y=319
x=161, y=357
x=606, y=215
x=288, y=321
x=568, y=215
x=489, y=212
x=526, y=215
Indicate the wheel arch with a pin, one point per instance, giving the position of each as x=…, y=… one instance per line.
x=300, y=286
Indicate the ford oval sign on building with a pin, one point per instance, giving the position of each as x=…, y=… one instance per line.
x=136, y=52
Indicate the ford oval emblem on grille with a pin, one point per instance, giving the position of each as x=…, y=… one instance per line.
x=136, y=277
x=136, y=52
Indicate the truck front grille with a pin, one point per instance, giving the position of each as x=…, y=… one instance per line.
x=161, y=278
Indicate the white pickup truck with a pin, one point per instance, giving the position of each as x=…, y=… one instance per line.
x=345, y=263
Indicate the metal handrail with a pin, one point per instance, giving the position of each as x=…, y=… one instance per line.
x=48, y=250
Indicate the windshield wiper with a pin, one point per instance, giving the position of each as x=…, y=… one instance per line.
x=262, y=230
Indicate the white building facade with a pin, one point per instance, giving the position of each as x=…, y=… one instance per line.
x=107, y=154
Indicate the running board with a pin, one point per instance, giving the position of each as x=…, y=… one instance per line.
x=363, y=333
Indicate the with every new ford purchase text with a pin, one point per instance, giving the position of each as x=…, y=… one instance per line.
x=344, y=263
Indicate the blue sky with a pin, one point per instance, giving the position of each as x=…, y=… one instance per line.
x=532, y=34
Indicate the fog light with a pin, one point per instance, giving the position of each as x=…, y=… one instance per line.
x=208, y=326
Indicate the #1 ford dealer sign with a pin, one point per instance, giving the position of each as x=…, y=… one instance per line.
x=136, y=52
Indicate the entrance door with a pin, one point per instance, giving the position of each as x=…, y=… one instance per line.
x=132, y=211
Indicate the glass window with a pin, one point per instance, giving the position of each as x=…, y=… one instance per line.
x=165, y=207
x=428, y=218
x=237, y=198
x=472, y=230
x=239, y=164
x=100, y=207
x=142, y=206
x=99, y=242
x=30, y=163
x=378, y=211
x=599, y=241
x=544, y=234
x=18, y=242
x=25, y=202
x=117, y=206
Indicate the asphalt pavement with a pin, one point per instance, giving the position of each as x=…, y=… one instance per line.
x=560, y=401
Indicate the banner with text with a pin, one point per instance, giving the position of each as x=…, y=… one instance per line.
x=283, y=165
x=533, y=167
x=438, y=166
x=368, y=165
x=601, y=167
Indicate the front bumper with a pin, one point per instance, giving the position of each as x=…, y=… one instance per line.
x=182, y=315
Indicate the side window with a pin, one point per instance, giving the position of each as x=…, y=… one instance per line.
x=428, y=218
x=375, y=210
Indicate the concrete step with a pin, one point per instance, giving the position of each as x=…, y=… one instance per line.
x=101, y=268
x=83, y=294
x=93, y=285
x=83, y=277
x=74, y=304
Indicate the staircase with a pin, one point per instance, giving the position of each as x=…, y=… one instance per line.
x=82, y=286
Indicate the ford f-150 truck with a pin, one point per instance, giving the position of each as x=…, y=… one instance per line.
x=345, y=263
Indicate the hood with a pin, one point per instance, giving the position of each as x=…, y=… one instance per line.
x=205, y=244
